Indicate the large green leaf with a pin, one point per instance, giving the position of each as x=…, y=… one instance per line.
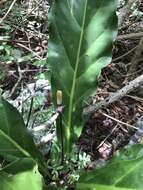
x=80, y=45
x=124, y=172
x=18, y=165
x=26, y=180
x=16, y=143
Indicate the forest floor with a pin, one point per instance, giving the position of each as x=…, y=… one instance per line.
x=23, y=46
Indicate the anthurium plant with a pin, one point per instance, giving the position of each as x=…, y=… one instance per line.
x=80, y=45
x=82, y=33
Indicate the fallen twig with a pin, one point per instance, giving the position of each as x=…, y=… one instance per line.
x=137, y=35
x=115, y=96
x=50, y=121
x=11, y=72
x=18, y=81
x=111, y=132
x=122, y=56
x=124, y=11
x=46, y=124
x=135, y=98
x=118, y=121
x=47, y=138
x=30, y=50
x=17, y=41
x=135, y=61
x=11, y=6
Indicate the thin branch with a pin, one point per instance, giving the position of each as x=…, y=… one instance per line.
x=30, y=111
x=112, y=131
x=115, y=96
x=136, y=98
x=18, y=81
x=11, y=72
x=124, y=55
x=135, y=60
x=125, y=11
x=17, y=41
x=137, y=35
x=118, y=121
x=30, y=50
x=47, y=138
x=50, y=121
x=11, y=6
x=46, y=124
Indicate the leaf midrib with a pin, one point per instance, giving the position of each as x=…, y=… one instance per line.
x=15, y=144
x=96, y=185
x=9, y=138
x=24, y=152
x=119, y=179
x=71, y=11
x=74, y=76
x=127, y=173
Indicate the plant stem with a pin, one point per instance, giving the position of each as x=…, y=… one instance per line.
x=60, y=131
x=30, y=111
x=62, y=140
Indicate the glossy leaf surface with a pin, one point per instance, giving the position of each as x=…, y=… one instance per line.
x=124, y=172
x=15, y=141
x=26, y=180
x=80, y=45
x=18, y=165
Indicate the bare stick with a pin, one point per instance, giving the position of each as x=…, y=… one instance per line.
x=135, y=60
x=17, y=41
x=18, y=81
x=107, y=137
x=122, y=56
x=46, y=124
x=11, y=6
x=50, y=122
x=118, y=121
x=30, y=50
x=30, y=112
x=130, y=36
x=124, y=11
x=11, y=72
x=136, y=98
x=115, y=96
x=45, y=139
